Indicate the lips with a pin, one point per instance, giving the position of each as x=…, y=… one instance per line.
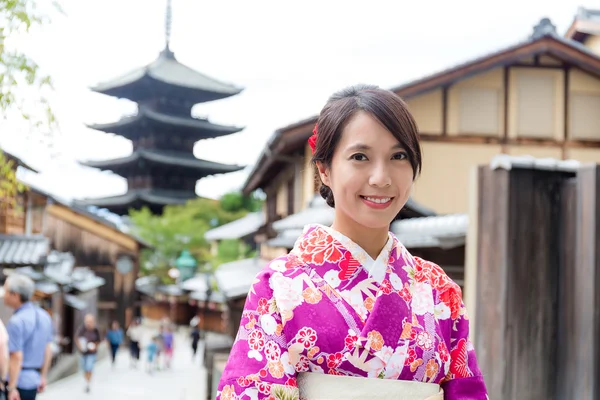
x=378, y=200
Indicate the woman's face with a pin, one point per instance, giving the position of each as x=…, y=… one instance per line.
x=370, y=174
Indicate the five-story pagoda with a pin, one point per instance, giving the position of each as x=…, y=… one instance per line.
x=162, y=169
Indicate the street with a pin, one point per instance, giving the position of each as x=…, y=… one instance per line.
x=184, y=381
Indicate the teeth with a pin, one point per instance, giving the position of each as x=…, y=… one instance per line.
x=379, y=200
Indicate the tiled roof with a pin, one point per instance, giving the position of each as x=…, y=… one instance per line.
x=23, y=250
x=508, y=162
x=237, y=229
x=444, y=231
x=235, y=278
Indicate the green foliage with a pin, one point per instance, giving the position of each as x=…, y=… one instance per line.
x=17, y=70
x=10, y=187
x=183, y=227
x=236, y=201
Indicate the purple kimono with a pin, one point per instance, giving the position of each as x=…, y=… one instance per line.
x=328, y=307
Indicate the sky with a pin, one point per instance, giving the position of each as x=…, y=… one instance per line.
x=288, y=56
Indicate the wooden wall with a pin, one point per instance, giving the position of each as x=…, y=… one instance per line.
x=97, y=247
x=538, y=283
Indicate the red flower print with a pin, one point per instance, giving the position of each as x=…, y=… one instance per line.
x=350, y=342
x=293, y=261
x=459, y=364
x=348, y=266
x=256, y=340
x=272, y=351
x=411, y=356
x=333, y=360
x=243, y=382
x=334, y=372
x=263, y=306
x=303, y=364
x=262, y=373
x=307, y=337
x=386, y=286
x=443, y=351
x=319, y=247
x=264, y=387
x=405, y=293
x=452, y=297
x=291, y=382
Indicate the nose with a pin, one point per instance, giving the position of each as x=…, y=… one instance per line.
x=380, y=176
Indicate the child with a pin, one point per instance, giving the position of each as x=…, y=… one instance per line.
x=151, y=353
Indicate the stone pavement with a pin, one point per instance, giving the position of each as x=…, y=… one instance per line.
x=186, y=380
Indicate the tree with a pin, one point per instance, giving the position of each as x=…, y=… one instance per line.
x=17, y=70
x=179, y=227
x=236, y=201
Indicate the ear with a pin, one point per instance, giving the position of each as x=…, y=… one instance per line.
x=323, y=173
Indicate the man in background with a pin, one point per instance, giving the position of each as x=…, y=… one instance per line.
x=29, y=340
x=88, y=339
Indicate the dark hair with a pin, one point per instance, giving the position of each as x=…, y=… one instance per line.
x=384, y=105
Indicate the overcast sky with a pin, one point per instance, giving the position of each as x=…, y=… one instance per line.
x=289, y=57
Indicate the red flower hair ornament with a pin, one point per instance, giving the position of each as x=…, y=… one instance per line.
x=312, y=141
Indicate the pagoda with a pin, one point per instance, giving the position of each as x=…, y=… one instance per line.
x=162, y=169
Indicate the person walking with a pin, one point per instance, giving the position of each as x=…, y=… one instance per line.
x=168, y=345
x=195, y=335
x=135, y=334
x=29, y=340
x=114, y=337
x=88, y=339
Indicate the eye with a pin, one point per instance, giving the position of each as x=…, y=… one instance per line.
x=358, y=157
x=400, y=156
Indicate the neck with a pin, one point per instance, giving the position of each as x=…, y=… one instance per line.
x=370, y=239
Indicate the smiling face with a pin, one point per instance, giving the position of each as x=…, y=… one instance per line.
x=370, y=175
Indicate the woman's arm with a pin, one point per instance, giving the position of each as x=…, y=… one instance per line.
x=259, y=365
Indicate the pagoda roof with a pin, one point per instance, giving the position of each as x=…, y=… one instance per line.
x=167, y=77
x=168, y=158
x=135, y=198
x=200, y=128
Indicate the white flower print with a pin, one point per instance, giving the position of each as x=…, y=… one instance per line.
x=396, y=281
x=287, y=292
x=255, y=354
x=278, y=265
x=422, y=298
x=287, y=365
x=268, y=324
x=424, y=340
x=385, y=353
x=441, y=311
x=395, y=364
x=332, y=278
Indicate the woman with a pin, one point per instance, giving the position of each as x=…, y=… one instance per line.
x=114, y=336
x=134, y=333
x=168, y=339
x=350, y=302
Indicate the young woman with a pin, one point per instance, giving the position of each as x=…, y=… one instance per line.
x=350, y=304
x=135, y=334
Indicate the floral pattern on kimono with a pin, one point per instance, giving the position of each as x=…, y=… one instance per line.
x=328, y=307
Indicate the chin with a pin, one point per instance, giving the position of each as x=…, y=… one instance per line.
x=375, y=223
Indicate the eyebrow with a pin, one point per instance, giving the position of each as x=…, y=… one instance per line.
x=364, y=147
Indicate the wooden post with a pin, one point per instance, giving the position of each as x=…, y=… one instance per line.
x=579, y=344
x=517, y=281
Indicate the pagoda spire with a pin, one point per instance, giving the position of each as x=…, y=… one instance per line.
x=168, y=23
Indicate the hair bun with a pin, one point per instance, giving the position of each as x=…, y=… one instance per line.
x=327, y=194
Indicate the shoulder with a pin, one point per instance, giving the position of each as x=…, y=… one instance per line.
x=429, y=272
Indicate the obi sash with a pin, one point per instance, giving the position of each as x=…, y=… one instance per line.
x=318, y=386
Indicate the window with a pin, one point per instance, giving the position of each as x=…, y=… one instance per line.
x=536, y=106
x=584, y=116
x=479, y=111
